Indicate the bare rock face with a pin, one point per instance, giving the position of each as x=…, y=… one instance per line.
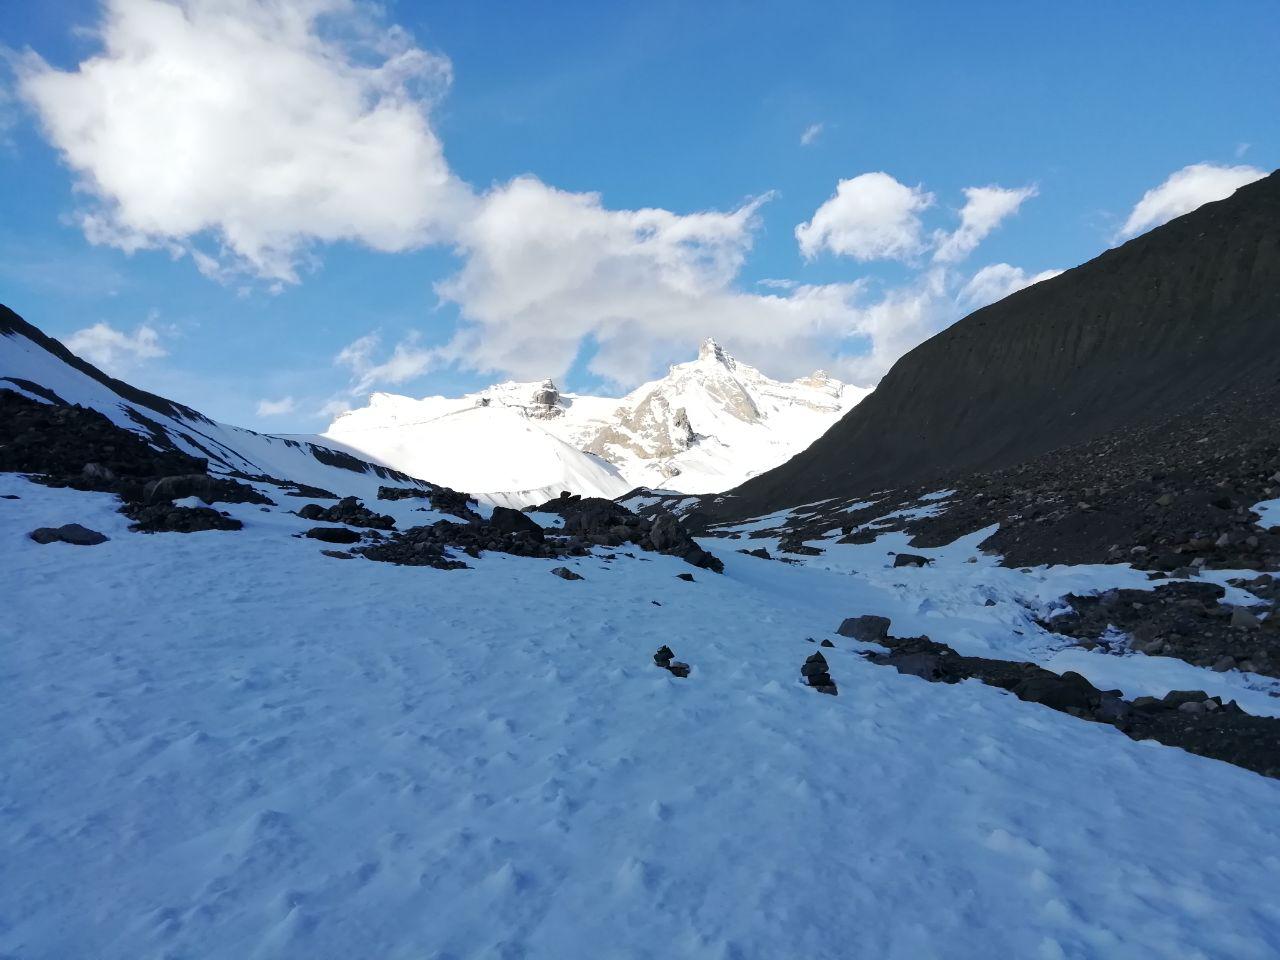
x=545, y=402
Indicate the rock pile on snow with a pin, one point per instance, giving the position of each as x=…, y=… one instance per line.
x=1191, y=720
x=169, y=518
x=350, y=511
x=607, y=523
x=1187, y=620
x=816, y=673
x=665, y=658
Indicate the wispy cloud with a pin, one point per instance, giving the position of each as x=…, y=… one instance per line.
x=116, y=351
x=811, y=134
x=277, y=408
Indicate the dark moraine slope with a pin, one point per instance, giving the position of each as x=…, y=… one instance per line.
x=1166, y=322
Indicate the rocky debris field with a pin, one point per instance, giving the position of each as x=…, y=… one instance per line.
x=598, y=522
x=1189, y=719
x=444, y=499
x=1182, y=619
x=1173, y=495
x=350, y=511
x=72, y=446
x=588, y=523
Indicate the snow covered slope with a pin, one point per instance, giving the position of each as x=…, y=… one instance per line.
x=706, y=426
x=228, y=745
x=42, y=368
x=494, y=452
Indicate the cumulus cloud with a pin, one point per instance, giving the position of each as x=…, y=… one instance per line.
x=116, y=351
x=985, y=208
x=1185, y=190
x=277, y=408
x=811, y=134
x=996, y=281
x=244, y=131
x=548, y=270
x=870, y=217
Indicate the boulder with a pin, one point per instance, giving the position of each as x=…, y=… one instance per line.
x=333, y=534
x=72, y=533
x=564, y=573
x=687, y=577
x=507, y=520
x=911, y=560
x=1065, y=692
x=868, y=628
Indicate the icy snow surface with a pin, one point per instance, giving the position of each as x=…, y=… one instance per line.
x=227, y=745
x=1269, y=510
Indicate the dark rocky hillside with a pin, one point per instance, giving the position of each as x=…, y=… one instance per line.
x=1177, y=319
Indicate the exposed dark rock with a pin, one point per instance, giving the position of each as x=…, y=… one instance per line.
x=564, y=573
x=348, y=510
x=687, y=577
x=338, y=554
x=506, y=520
x=1177, y=619
x=607, y=523
x=403, y=493
x=817, y=674
x=1153, y=327
x=868, y=629
x=333, y=534
x=209, y=489
x=826, y=643
x=1206, y=726
x=911, y=560
x=72, y=533
x=293, y=489
x=166, y=518
x=760, y=552
x=80, y=448
x=665, y=658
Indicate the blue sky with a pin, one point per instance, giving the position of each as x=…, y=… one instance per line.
x=1074, y=111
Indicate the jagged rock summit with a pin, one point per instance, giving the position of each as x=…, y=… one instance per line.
x=706, y=426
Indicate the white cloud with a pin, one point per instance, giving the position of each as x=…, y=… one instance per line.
x=870, y=217
x=996, y=281
x=811, y=134
x=277, y=408
x=984, y=209
x=1185, y=190
x=407, y=360
x=113, y=350
x=256, y=126
x=547, y=271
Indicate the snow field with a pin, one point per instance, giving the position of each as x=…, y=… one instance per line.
x=229, y=745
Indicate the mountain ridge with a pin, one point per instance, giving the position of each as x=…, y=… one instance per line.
x=706, y=425
x=1166, y=319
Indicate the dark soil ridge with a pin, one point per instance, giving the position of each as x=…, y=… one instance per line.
x=1175, y=496
x=1178, y=316
x=1190, y=720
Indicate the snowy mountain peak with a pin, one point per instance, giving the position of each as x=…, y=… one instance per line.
x=706, y=426
x=712, y=351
